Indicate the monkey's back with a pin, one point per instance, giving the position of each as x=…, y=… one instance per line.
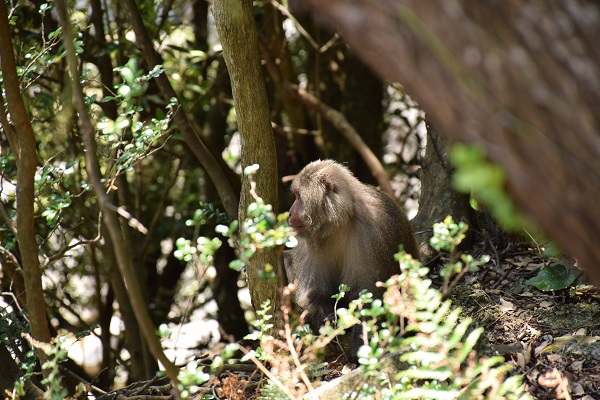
x=383, y=225
x=402, y=230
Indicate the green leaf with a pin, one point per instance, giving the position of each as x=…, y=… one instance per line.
x=237, y=265
x=55, y=33
x=551, y=250
x=556, y=276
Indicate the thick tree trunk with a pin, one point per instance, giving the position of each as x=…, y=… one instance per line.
x=235, y=25
x=224, y=287
x=438, y=197
x=521, y=77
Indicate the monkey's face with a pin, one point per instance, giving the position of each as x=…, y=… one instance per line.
x=307, y=212
x=295, y=219
x=323, y=203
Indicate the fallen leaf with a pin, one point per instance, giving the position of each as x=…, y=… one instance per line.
x=577, y=389
x=544, y=342
x=554, y=379
x=506, y=305
x=554, y=357
x=526, y=260
x=580, y=332
x=577, y=365
x=533, y=266
x=533, y=374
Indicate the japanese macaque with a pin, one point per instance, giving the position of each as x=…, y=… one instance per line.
x=347, y=232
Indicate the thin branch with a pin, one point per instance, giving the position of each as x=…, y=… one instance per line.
x=8, y=220
x=298, y=25
x=269, y=375
x=167, y=6
x=61, y=253
x=131, y=220
x=292, y=349
x=161, y=205
x=295, y=131
x=336, y=119
x=86, y=383
x=329, y=44
x=8, y=129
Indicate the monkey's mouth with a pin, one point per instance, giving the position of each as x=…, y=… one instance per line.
x=299, y=228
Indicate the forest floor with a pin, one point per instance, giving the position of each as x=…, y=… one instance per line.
x=552, y=338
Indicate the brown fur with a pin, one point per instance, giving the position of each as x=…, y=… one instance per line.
x=348, y=232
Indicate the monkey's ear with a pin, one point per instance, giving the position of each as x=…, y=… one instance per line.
x=327, y=184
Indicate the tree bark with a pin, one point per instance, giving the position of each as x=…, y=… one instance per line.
x=521, y=77
x=235, y=24
x=225, y=285
x=438, y=197
x=25, y=150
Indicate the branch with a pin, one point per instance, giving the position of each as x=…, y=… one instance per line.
x=338, y=121
x=10, y=135
x=61, y=253
x=207, y=160
x=157, y=217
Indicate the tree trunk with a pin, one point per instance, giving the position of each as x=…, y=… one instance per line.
x=23, y=144
x=235, y=24
x=438, y=197
x=521, y=77
x=10, y=373
x=225, y=285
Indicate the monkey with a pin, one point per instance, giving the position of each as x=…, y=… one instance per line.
x=347, y=232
